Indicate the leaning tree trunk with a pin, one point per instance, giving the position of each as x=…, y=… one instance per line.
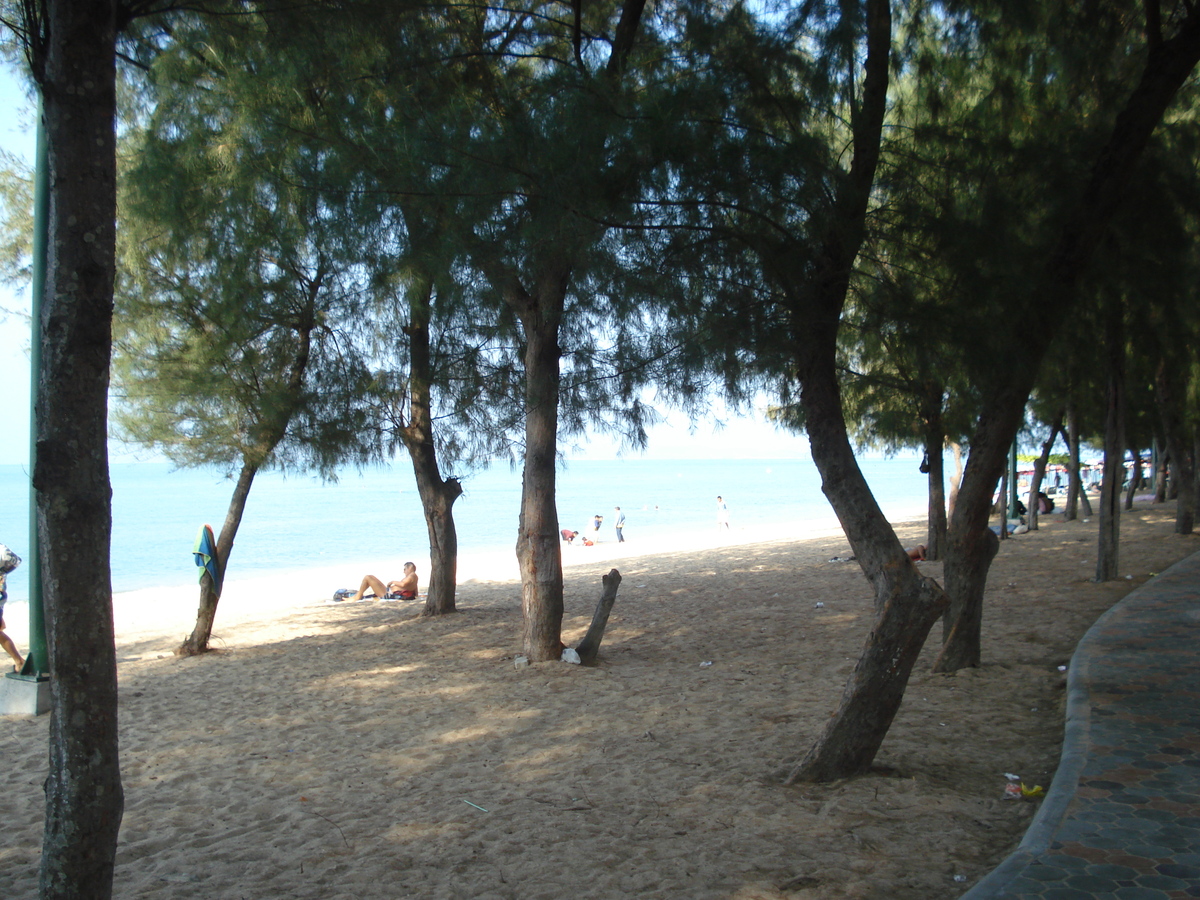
x=76, y=72
x=1107, y=554
x=437, y=493
x=971, y=545
x=210, y=591
x=906, y=604
x=1039, y=472
x=1167, y=65
x=273, y=425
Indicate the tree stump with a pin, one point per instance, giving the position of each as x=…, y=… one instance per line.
x=589, y=647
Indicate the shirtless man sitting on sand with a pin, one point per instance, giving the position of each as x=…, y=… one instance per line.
x=404, y=589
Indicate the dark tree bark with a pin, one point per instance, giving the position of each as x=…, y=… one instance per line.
x=906, y=604
x=210, y=590
x=272, y=428
x=1160, y=472
x=539, y=553
x=1168, y=63
x=437, y=498
x=1135, y=476
x=935, y=439
x=1183, y=468
x=72, y=52
x=538, y=302
x=437, y=493
x=1039, y=473
x=1070, y=510
x=1107, y=555
x=1002, y=506
x=971, y=545
x=1085, y=502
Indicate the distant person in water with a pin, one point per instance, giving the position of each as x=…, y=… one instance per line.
x=404, y=589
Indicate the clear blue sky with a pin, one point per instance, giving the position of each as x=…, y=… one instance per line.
x=742, y=437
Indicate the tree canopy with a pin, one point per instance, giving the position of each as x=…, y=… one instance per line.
x=475, y=232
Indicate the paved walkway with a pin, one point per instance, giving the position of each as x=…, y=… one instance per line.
x=1122, y=818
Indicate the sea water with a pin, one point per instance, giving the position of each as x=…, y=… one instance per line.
x=295, y=521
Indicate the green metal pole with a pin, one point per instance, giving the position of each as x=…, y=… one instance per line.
x=37, y=661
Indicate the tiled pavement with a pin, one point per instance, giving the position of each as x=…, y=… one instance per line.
x=1122, y=818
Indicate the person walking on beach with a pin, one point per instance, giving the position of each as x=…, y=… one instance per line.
x=722, y=513
x=619, y=525
x=404, y=589
x=8, y=562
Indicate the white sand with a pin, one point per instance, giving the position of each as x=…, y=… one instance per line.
x=359, y=750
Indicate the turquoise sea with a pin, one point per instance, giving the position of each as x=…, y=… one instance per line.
x=297, y=520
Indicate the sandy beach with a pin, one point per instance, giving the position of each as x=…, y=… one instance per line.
x=357, y=750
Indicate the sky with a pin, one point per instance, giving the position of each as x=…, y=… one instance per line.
x=727, y=437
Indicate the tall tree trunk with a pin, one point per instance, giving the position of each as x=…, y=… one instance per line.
x=1183, y=462
x=971, y=546
x=935, y=438
x=1005, y=512
x=562, y=238
x=1039, y=472
x=75, y=68
x=956, y=449
x=1107, y=555
x=1085, y=503
x=437, y=499
x=1070, y=510
x=1160, y=472
x=437, y=493
x=273, y=428
x=210, y=591
x=1168, y=63
x=539, y=552
x=1135, y=476
x=906, y=604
